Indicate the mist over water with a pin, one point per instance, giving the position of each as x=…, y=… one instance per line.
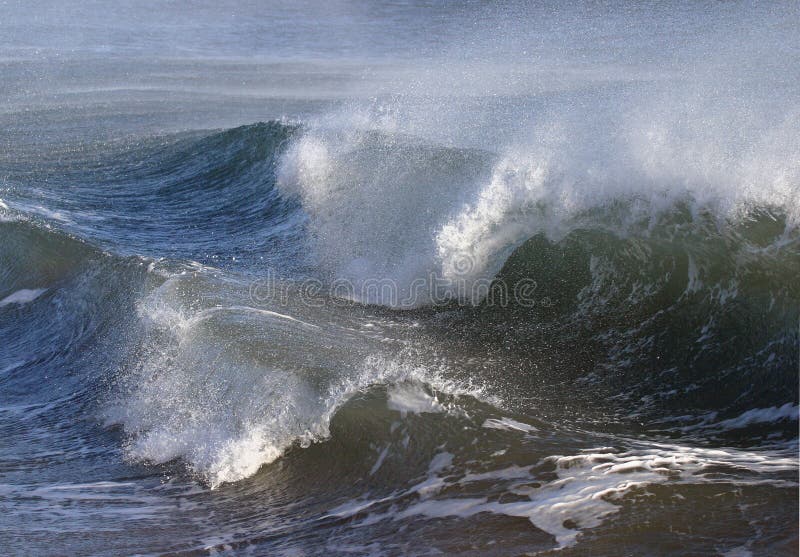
x=301, y=278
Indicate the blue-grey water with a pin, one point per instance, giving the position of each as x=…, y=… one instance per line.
x=399, y=278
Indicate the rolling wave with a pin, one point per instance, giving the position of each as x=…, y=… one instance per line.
x=659, y=292
x=183, y=287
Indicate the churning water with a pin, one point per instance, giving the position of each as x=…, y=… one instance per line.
x=399, y=278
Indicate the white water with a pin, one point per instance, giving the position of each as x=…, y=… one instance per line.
x=231, y=388
x=589, y=486
x=424, y=190
x=710, y=124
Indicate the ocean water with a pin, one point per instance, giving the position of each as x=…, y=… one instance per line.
x=399, y=278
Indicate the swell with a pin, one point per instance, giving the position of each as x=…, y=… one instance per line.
x=633, y=335
x=691, y=322
x=205, y=196
x=61, y=344
x=655, y=256
x=679, y=313
x=363, y=204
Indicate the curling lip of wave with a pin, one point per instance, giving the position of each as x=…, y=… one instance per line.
x=381, y=208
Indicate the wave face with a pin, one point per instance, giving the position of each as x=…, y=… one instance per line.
x=550, y=303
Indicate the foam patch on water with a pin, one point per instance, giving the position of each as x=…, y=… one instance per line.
x=588, y=489
x=21, y=297
x=788, y=411
x=411, y=397
x=508, y=424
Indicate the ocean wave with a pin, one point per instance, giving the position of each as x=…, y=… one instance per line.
x=385, y=206
x=229, y=388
